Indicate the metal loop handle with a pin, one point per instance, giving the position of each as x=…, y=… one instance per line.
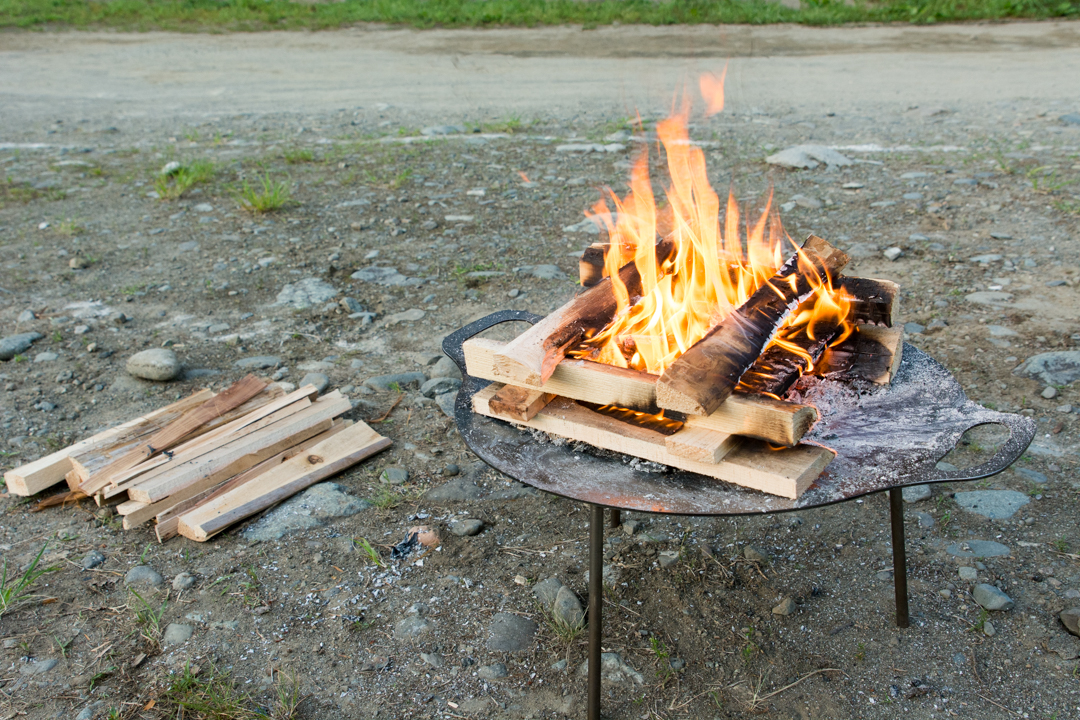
x=453, y=344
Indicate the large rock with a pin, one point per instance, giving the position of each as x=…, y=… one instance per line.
x=12, y=345
x=306, y=293
x=1070, y=618
x=567, y=608
x=311, y=508
x=808, y=157
x=977, y=549
x=439, y=386
x=1052, y=368
x=510, y=633
x=991, y=598
x=158, y=364
x=993, y=504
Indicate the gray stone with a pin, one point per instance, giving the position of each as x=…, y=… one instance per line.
x=439, y=386
x=312, y=508
x=460, y=489
x=977, y=549
x=412, y=315
x=1001, y=331
x=988, y=629
x=92, y=559
x=394, y=476
x=542, y=272
x=668, y=558
x=993, y=504
x=466, y=528
x=46, y=357
x=26, y=316
x=915, y=493
x=785, y=608
x=158, y=364
x=319, y=380
x=435, y=660
x=753, y=554
x=351, y=305
x=446, y=403
x=937, y=324
x=861, y=250
x=914, y=196
x=968, y=574
x=892, y=253
x=807, y=156
x=13, y=345
x=925, y=520
x=914, y=328
x=1049, y=392
x=451, y=470
x=510, y=633
x=1032, y=475
x=176, y=634
x=88, y=712
x=805, y=201
x=183, y=581
x=984, y=259
x=546, y=591
x=1070, y=119
x=259, y=362
x=989, y=297
x=1070, y=618
x=991, y=598
x=411, y=627
x=445, y=368
x=567, y=608
x=402, y=380
x=39, y=667
x=494, y=671
x=306, y=293
x=143, y=575
x=614, y=669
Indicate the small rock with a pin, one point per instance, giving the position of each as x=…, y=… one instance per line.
x=915, y=493
x=1070, y=119
x=319, y=380
x=143, y=575
x=394, y=476
x=991, y=598
x=88, y=712
x=259, y=362
x=892, y=253
x=510, y=633
x=351, y=305
x=466, y=528
x=170, y=168
x=312, y=508
x=968, y=574
x=39, y=667
x=614, y=669
x=451, y=470
x=914, y=328
x=78, y=263
x=306, y=293
x=401, y=380
x=567, y=608
x=446, y=403
x=988, y=629
x=435, y=660
x=443, y=130
x=1052, y=368
x=884, y=575
x=1001, y=331
x=993, y=504
x=158, y=364
x=786, y=607
x=542, y=272
x=925, y=520
x=411, y=627
x=513, y=293
x=753, y=554
x=445, y=368
x=668, y=558
x=1049, y=392
x=1070, y=618
x=92, y=559
x=977, y=549
x=989, y=297
x=176, y=634
x=807, y=156
x=1032, y=475
x=438, y=386
x=406, y=316
x=806, y=201
x=546, y=591
x=183, y=581
x=492, y=672
x=46, y=357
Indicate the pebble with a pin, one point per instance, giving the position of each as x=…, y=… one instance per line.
x=614, y=669
x=466, y=528
x=968, y=574
x=1052, y=368
x=78, y=263
x=546, y=591
x=438, y=386
x=913, y=196
x=451, y=470
x=567, y=608
x=977, y=549
x=884, y=575
x=176, y=634
x=925, y=520
x=753, y=554
x=402, y=380
x=918, y=237
x=312, y=508
x=991, y=598
x=1049, y=392
x=808, y=157
x=92, y=559
x=158, y=364
x=411, y=627
x=988, y=629
x=307, y=292
x=412, y=315
x=513, y=293
x=143, y=575
x=39, y=667
x=993, y=504
x=445, y=368
x=937, y=324
x=542, y=272
x=1070, y=119
x=510, y=633
x=183, y=581
x=90, y=711
x=443, y=130
x=892, y=253
x=806, y=201
x=1001, y=331
x=988, y=297
x=319, y=380
x=435, y=660
x=1070, y=618
x=668, y=558
x=785, y=608
x=494, y=671
x=915, y=493
x=259, y=362
x=394, y=476
x=914, y=328
x=446, y=403
x=46, y=357
x=983, y=259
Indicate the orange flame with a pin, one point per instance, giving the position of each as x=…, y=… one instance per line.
x=712, y=89
x=713, y=269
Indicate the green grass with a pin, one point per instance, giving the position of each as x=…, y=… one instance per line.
x=214, y=695
x=175, y=184
x=201, y=15
x=16, y=590
x=266, y=195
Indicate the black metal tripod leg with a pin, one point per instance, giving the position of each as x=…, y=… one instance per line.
x=596, y=599
x=899, y=555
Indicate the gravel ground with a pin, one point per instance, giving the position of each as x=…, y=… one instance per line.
x=982, y=205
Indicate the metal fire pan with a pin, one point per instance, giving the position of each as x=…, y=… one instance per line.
x=887, y=438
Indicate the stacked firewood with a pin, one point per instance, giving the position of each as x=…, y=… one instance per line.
x=208, y=460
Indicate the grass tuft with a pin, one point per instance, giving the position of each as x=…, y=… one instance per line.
x=265, y=196
x=173, y=185
x=16, y=590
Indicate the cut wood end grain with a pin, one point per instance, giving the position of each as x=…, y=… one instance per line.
x=520, y=403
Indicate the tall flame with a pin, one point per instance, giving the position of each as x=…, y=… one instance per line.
x=713, y=270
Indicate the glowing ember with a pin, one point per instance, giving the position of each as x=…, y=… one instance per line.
x=713, y=270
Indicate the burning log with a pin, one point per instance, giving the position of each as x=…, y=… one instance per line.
x=531, y=358
x=870, y=353
x=706, y=374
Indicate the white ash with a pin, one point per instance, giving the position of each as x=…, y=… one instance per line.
x=831, y=397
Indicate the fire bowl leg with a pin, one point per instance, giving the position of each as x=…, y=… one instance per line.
x=899, y=555
x=596, y=600
x=616, y=518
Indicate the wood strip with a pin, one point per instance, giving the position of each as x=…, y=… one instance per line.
x=779, y=367
x=701, y=444
x=871, y=353
x=754, y=416
x=874, y=302
x=519, y=403
x=33, y=477
x=591, y=264
x=323, y=460
x=787, y=473
x=707, y=373
x=244, y=452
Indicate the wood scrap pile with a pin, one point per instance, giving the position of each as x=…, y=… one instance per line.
x=208, y=460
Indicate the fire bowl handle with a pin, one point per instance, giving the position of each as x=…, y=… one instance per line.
x=1021, y=433
x=453, y=343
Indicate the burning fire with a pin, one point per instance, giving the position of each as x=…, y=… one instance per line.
x=714, y=268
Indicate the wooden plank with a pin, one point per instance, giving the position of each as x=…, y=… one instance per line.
x=871, y=353
x=707, y=373
x=518, y=402
x=754, y=416
x=327, y=458
x=787, y=473
x=591, y=264
x=701, y=444
x=129, y=506
x=45, y=472
x=244, y=452
x=874, y=302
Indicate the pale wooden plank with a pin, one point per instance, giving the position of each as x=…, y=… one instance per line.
x=519, y=403
x=701, y=444
x=321, y=461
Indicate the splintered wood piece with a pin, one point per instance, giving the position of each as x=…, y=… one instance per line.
x=233, y=457
x=695, y=443
x=754, y=416
x=870, y=353
x=706, y=374
x=34, y=477
x=327, y=458
x=591, y=264
x=531, y=357
x=787, y=472
x=780, y=367
x=873, y=302
x=519, y=403
x=71, y=496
